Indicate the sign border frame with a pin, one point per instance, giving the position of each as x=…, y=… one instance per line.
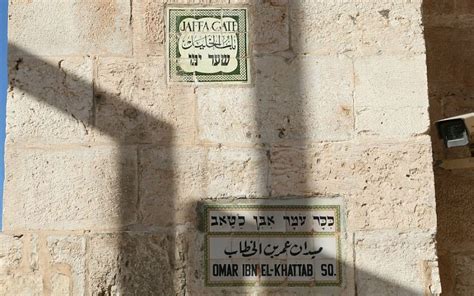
x=189, y=79
x=337, y=233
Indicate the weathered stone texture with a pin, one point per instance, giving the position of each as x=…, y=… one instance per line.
x=378, y=180
x=60, y=285
x=171, y=181
x=356, y=27
x=301, y=99
x=85, y=188
x=270, y=26
x=379, y=267
x=134, y=104
x=237, y=173
x=68, y=255
x=54, y=28
x=130, y=264
x=36, y=86
x=106, y=161
x=149, y=28
x=30, y=284
x=11, y=248
x=399, y=109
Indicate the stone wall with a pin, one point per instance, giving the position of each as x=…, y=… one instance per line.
x=450, y=42
x=106, y=162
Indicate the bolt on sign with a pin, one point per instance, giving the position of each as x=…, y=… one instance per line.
x=207, y=45
x=273, y=242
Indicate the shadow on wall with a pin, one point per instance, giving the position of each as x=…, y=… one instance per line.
x=137, y=251
x=131, y=258
x=449, y=36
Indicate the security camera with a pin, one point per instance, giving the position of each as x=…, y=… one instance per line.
x=457, y=131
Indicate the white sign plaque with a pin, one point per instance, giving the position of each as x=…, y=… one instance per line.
x=293, y=242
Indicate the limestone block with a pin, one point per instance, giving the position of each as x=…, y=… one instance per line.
x=134, y=104
x=399, y=108
x=49, y=100
x=70, y=188
x=391, y=82
x=60, y=285
x=386, y=185
x=68, y=251
x=394, y=262
x=29, y=284
x=172, y=180
x=392, y=123
x=237, y=173
x=149, y=18
x=149, y=27
x=297, y=99
x=270, y=26
x=227, y=115
x=11, y=248
x=356, y=27
x=53, y=28
x=130, y=264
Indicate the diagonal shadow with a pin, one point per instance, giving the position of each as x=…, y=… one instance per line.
x=138, y=244
x=142, y=245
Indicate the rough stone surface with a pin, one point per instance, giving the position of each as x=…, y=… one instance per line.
x=132, y=264
x=397, y=110
x=356, y=27
x=171, y=182
x=270, y=28
x=68, y=255
x=71, y=27
x=106, y=161
x=60, y=285
x=134, y=104
x=299, y=99
x=51, y=97
x=379, y=180
x=85, y=188
x=10, y=253
x=379, y=267
x=22, y=285
x=149, y=28
x=237, y=173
